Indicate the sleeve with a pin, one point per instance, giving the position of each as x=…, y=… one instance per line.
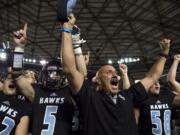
x=27, y=109
x=168, y=94
x=83, y=97
x=137, y=93
x=172, y=95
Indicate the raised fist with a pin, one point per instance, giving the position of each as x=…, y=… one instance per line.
x=71, y=19
x=177, y=57
x=71, y=22
x=165, y=45
x=64, y=8
x=123, y=68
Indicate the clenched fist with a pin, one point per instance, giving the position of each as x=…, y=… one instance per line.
x=177, y=57
x=165, y=45
x=123, y=68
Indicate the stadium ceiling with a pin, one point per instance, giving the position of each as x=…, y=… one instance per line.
x=114, y=29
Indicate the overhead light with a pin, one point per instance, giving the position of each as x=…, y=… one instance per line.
x=122, y=60
x=26, y=60
x=134, y=60
x=130, y=59
x=43, y=62
x=30, y=60
x=126, y=60
x=34, y=61
x=110, y=61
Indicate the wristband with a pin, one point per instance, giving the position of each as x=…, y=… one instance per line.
x=163, y=55
x=67, y=30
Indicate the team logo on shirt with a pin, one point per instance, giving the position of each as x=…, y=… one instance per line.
x=21, y=97
x=158, y=102
x=9, y=111
x=51, y=100
x=6, y=102
x=53, y=94
x=159, y=106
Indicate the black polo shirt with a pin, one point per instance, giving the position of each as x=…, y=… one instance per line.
x=101, y=116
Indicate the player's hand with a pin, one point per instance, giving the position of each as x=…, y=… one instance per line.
x=165, y=45
x=20, y=36
x=71, y=21
x=177, y=57
x=30, y=76
x=123, y=68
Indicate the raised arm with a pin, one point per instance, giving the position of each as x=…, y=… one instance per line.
x=171, y=77
x=25, y=87
x=124, y=74
x=68, y=59
x=20, y=38
x=80, y=61
x=81, y=65
x=155, y=72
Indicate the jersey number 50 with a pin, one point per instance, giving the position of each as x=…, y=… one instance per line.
x=156, y=120
x=49, y=119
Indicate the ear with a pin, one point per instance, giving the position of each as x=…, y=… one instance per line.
x=119, y=77
x=96, y=80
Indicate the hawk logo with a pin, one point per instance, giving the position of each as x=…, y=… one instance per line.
x=158, y=102
x=6, y=102
x=53, y=94
x=8, y=110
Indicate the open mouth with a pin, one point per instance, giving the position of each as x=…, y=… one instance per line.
x=12, y=86
x=114, y=81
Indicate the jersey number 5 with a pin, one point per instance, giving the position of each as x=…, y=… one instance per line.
x=9, y=123
x=50, y=120
x=155, y=119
